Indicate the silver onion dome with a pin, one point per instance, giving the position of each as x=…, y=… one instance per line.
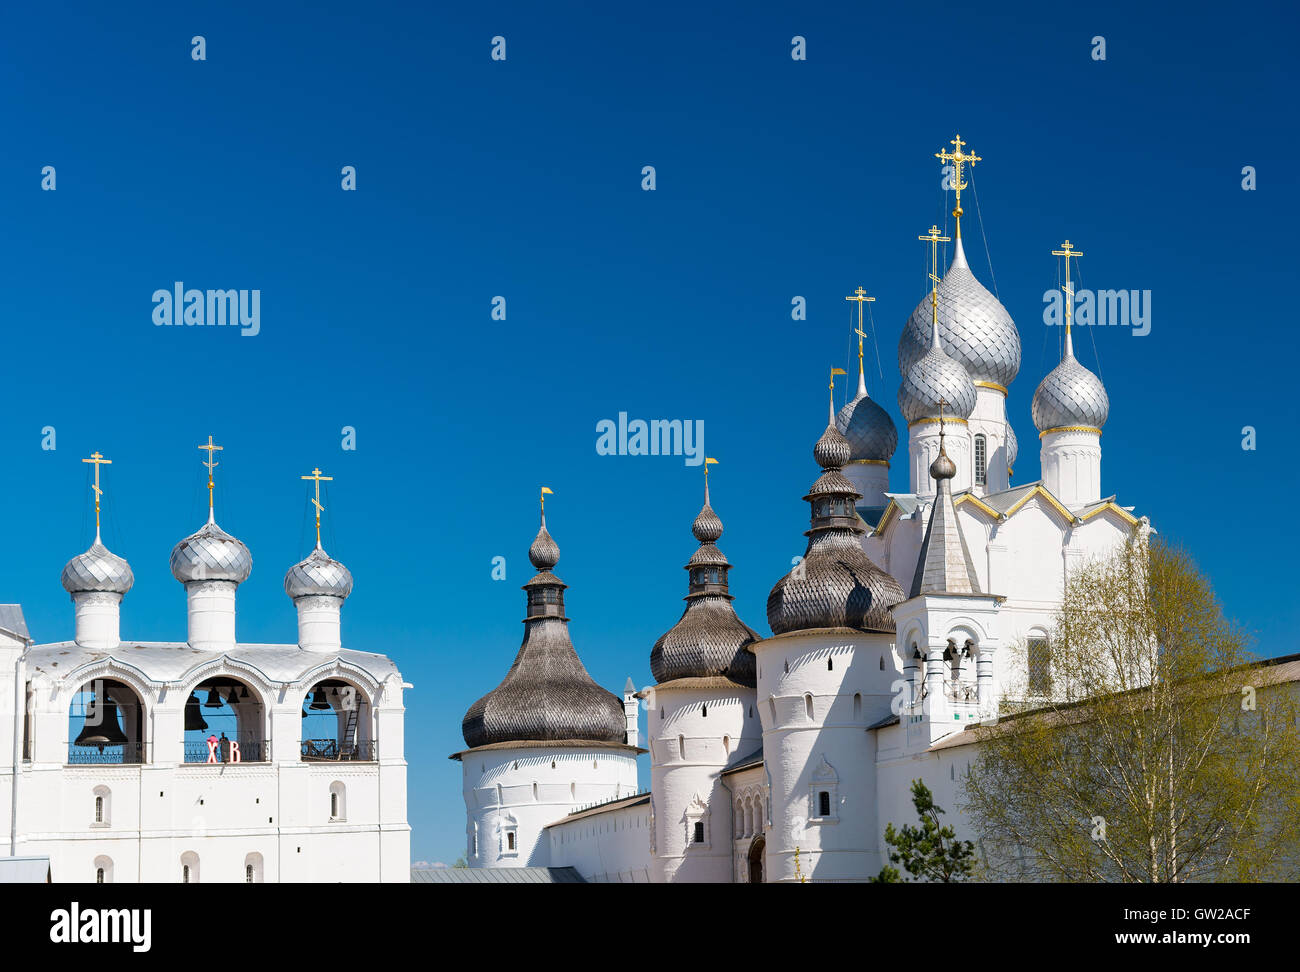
x=931, y=377
x=98, y=569
x=974, y=327
x=1070, y=396
x=319, y=574
x=211, y=554
x=870, y=431
x=1013, y=447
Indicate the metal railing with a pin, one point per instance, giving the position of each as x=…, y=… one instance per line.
x=249, y=751
x=122, y=754
x=332, y=751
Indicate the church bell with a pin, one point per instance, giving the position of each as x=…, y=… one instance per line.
x=101, y=728
x=318, y=700
x=213, y=700
x=193, y=714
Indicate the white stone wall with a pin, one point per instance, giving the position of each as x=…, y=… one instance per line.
x=814, y=717
x=693, y=734
x=522, y=790
x=164, y=811
x=1071, y=463
x=610, y=846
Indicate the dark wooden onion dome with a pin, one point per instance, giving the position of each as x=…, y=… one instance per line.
x=709, y=640
x=836, y=585
x=547, y=694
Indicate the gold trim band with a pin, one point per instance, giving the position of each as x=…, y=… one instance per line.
x=991, y=384
x=869, y=462
x=1070, y=428
x=947, y=418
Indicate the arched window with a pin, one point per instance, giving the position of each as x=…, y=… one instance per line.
x=338, y=802
x=189, y=868
x=981, y=460
x=103, y=813
x=698, y=836
x=573, y=791
x=830, y=664
x=103, y=870
x=1039, y=666
x=857, y=705
x=704, y=710
x=681, y=746
x=99, y=875
x=808, y=706
x=726, y=745
x=771, y=704
x=534, y=791
x=823, y=803
x=253, y=869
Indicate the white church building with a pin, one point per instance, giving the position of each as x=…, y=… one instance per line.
x=208, y=759
x=910, y=615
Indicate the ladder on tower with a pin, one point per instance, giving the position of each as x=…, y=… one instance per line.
x=350, y=733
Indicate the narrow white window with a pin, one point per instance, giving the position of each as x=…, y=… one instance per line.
x=981, y=455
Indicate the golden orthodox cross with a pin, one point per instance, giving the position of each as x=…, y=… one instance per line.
x=958, y=159
x=210, y=449
x=861, y=297
x=98, y=460
x=315, y=474
x=1067, y=251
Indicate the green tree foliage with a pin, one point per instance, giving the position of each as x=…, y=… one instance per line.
x=1163, y=752
x=930, y=852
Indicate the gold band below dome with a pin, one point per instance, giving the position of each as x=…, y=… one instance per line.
x=991, y=384
x=1070, y=428
x=869, y=462
x=946, y=418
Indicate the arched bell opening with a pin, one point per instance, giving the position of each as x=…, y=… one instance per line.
x=336, y=723
x=106, y=724
x=225, y=722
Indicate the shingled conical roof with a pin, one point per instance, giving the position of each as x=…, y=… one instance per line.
x=944, y=564
x=547, y=694
x=835, y=585
x=709, y=639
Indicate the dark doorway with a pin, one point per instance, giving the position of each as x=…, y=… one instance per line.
x=756, y=860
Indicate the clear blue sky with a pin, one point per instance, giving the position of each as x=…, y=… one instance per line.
x=521, y=178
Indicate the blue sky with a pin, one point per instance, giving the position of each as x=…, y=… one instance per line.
x=522, y=178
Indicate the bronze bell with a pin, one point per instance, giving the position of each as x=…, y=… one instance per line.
x=318, y=700
x=193, y=714
x=232, y=699
x=213, y=700
x=101, y=728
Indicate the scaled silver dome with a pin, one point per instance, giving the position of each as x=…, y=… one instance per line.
x=211, y=554
x=1070, y=396
x=98, y=569
x=1013, y=447
x=973, y=325
x=869, y=429
x=319, y=574
x=934, y=376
